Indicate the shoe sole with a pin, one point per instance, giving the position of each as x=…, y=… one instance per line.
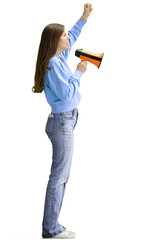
x=68, y=237
x=60, y=237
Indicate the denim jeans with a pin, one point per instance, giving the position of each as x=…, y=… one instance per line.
x=60, y=130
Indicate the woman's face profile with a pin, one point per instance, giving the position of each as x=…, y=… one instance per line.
x=63, y=43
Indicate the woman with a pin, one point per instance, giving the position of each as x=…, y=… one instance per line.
x=61, y=89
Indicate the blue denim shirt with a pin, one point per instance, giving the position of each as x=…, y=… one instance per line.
x=61, y=86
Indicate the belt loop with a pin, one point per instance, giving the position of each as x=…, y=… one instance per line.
x=51, y=115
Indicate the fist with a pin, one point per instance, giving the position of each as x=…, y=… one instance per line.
x=87, y=11
x=82, y=66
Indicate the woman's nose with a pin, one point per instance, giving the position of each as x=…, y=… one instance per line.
x=68, y=37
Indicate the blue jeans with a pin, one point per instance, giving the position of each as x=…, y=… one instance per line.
x=59, y=128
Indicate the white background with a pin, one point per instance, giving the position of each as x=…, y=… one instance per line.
x=114, y=187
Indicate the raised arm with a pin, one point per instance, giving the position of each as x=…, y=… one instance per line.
x=77, y=28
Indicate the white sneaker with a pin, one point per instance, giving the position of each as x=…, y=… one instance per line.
x=65, y=235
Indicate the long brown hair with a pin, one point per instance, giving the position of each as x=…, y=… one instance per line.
x=47, y=48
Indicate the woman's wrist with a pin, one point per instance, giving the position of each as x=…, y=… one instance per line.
x=84, y=18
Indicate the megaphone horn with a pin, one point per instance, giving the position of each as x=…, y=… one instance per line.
x=94, y=58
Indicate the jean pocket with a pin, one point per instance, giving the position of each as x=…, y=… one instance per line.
x=49, y=126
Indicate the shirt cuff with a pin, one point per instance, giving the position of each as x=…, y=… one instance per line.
x=77, y=75
x=81, y=22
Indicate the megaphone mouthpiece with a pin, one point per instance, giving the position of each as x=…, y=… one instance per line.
x=94, y=58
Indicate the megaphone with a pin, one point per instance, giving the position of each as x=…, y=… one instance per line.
x=94, y=58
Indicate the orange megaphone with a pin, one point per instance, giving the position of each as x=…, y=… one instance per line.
x=94, y=58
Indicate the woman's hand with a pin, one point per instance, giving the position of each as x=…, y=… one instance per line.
x=87, y=11
x=82, y=66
